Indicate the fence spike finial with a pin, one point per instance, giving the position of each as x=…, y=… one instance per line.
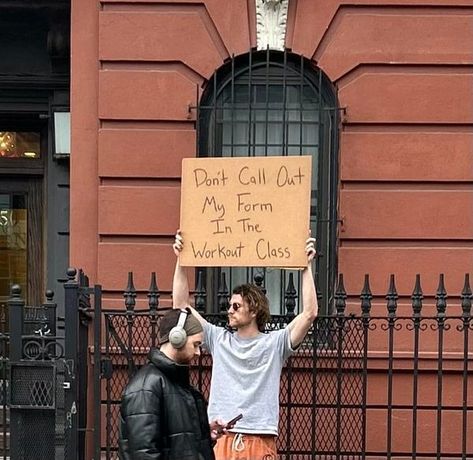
x=49, y=294
x=15, y=291
x=130, y=294
x=258, y=278
x=417, y=296
x=441, y=297
x=71, y=274
x=466, y=297
x=392, y=297
x=340, y=296
x=82, y=279
x=366, y=297
x=200, y=295
x=290, y=296
x=153, y=294
x=222, y=293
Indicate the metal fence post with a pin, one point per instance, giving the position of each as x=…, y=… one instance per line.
x=16, y=312
x=71, y=450
x=97, y=371
x=16, y=307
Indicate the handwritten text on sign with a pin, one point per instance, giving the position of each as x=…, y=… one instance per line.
x=245, y=211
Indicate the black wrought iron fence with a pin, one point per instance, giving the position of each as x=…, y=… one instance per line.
x=32, y=382
x=359, y=386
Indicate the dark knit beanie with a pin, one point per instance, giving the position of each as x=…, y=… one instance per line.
x=192, y=325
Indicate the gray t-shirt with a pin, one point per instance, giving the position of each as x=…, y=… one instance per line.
x=245, y=377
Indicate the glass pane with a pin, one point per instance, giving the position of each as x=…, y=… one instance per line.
x=62, y=132
x=19, y=144
x=13, y=249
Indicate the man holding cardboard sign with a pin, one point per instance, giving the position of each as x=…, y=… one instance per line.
x=247, y=362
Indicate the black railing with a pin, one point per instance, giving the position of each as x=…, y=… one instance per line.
x=32, y=375
x=359, y=386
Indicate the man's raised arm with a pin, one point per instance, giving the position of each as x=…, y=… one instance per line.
x=180, y=283
x=301, y=324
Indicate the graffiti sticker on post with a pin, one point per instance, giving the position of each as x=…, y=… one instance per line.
x=247, y=212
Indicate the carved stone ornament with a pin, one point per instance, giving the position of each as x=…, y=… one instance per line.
x=271, y=21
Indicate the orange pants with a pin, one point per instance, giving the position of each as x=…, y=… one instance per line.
x=238, y=446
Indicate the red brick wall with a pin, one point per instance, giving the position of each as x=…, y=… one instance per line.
x=404, y=74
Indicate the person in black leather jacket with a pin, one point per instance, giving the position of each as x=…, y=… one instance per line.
x=162, y=417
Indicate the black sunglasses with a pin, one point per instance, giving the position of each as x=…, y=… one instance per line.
x=235, y=306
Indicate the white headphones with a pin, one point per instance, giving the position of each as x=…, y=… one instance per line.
x=178, y=335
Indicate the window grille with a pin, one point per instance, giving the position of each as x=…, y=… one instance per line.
x=270, y=103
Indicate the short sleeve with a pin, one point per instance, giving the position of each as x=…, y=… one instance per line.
x=283, y=343
x=211, y=333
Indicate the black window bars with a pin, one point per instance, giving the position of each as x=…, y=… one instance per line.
x=271, y=103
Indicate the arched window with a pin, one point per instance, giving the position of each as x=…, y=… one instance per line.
x=270, y=103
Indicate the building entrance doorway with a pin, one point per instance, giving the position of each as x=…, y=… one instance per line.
x=21, y=242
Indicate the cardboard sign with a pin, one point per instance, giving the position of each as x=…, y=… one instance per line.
x=245, y=212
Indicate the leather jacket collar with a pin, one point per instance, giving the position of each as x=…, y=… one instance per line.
x=179, y=373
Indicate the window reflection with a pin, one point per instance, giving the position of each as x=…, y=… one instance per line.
x=13, y=249
x=19, y=144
